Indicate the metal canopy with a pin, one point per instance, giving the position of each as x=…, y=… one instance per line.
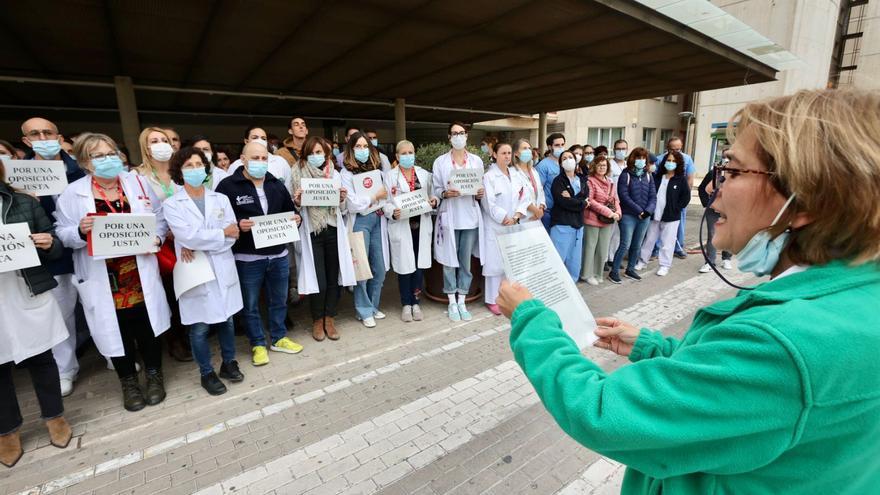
x=517, y=57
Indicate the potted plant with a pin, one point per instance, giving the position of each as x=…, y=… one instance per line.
x=425, y=156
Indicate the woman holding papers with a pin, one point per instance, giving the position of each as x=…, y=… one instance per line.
x=409, y=238
x=776, y=390
x=205, y=229
x=505, y=203
x=123, y=298
x=525, y=172
x=362, y=177
x=31, y=323
x=570, y=197
x=324, y=257
x=459, y=231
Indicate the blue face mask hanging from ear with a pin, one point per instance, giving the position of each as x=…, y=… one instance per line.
x=762, y=252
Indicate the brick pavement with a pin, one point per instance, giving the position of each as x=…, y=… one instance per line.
x=404, y=408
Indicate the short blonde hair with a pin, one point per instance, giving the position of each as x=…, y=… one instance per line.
x=797, y=136
x=85, y=144
x=403, y=143
x=149, y=163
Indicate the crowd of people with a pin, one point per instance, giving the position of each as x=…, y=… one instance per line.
x=599, y=206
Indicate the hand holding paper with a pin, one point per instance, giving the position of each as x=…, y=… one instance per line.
x=510, y=296
x=616, y=336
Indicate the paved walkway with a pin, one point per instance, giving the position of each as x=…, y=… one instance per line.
x=404, y=408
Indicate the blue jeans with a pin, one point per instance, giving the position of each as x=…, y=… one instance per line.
x=569, y=242
x=411, y=283
x=274, y=274
x=711, y=217
x=368, y=292
x=458, y=280
x=632, y=234
x=198, y=339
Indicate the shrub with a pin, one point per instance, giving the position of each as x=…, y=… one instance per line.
x=427, y=153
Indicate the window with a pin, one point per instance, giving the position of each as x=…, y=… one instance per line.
x=597, y=136
x=648, y=134
x=671, y=99
x=665, y=134
x=556, y=127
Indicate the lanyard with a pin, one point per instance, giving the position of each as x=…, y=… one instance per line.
x=534, y=184
x=327, y=169
x=168, y=190
x=452, y=158
x=104, y=196
x=410, y=182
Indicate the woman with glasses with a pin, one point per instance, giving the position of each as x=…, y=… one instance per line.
x=123, y=298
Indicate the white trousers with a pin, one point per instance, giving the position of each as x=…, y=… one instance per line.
x=493, y=285
x=65, y=352
x=667, y=233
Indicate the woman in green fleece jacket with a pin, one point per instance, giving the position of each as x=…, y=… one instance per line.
x=778, y=389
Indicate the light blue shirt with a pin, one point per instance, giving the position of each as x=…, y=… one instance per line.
x=548, y=169
x=576, y=184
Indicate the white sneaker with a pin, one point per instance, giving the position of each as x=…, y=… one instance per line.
x=379, y=315
x=706, y=268
x=67, y=386
x=369, y=322
x=726, y=264
x=417, y=313
x=640, y=266
x=407, y=314
x=592, y=281
x=662, y=271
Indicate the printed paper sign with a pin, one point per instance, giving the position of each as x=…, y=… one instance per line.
x=369, y=184
x=123, y=234
x=530, y=259
x=40, y=177
x=467, y=181
x=272, y=230
x=412, y=204
x=193, y=274
x=17, y=250
x=320, y=192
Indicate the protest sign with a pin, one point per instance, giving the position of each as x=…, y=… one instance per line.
x=467, y=181
x=369, y=184
x=189, y=275
x=122, y=234
x=412, y=204
x=17, y=250
x=272, y=230
x=40, y=177
x=320, y=192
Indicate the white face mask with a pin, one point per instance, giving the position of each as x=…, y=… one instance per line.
x=458, y=142
x=261, y=141
x=577, y=157
x=568, y=164
x=161, y=151
x=208, y=155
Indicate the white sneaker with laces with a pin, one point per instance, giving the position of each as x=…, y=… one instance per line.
x=592, y=281
x=67, y=385
x=726, y=264
x=662, y=271
x=417, y=312
x=369, y=322
x=406, y=314
x=706, y=268
x=640, y=266
x=379, y=315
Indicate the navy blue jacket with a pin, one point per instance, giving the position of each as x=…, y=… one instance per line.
x=64, y=264
x=568, y=211
x=637, y=194
x=245, y=203
x=678, y=195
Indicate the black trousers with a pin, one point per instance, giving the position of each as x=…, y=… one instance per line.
x=47, y=385
x=326, y=255
x=137, y=335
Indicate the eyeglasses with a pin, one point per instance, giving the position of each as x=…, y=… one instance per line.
x=459, y=133
x=101, y=156
x=34, y=134
x=721, y=172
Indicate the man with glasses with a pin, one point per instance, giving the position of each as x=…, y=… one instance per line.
x=43, y=138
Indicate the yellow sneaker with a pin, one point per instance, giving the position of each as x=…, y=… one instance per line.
x=286, y=345
x=261, y=357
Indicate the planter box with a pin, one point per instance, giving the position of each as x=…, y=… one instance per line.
x=434, y=282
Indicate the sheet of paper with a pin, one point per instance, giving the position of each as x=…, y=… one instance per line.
x=466, y=180
x=530, y=259
x=320, y=192
x=412, y=204
x=122, y=234
x=369, y=184
x=41, y=177
x=193, y=274
x=272, y=230
x=17, y=250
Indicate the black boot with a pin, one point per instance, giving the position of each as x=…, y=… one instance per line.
x=212, y=384
x=155, y=390
x=132, y=397
x=230, y=371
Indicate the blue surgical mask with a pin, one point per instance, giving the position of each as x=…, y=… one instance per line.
x=525, y=156
x=484, y=148
x=670, y=166
x=640, y=163
x=557, y=152
x=374, y=142
x=762, y=253
x=316, y=160
x=47, y=149
x=407, y=161
x=589, y=157
x=256, y=169
x=108, y=167
x=620, y=154
x=362, y=154
x=194, y=176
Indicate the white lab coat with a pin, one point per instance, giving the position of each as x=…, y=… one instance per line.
x=535, y=196
x=307, y=278
x=355, y=204
x=278, y=166
x=215, y=301
x=445, y=250
x=504, y=198
x=218, y=175
x=90, y=275
x=399, y=235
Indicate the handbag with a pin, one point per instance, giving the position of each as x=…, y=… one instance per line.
x=165, y=256
x=359, y=258
x=610, y=205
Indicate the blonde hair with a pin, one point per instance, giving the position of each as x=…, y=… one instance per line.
x=401, y=144
x=85, y=144
x=149, y=163
x=798, y=136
